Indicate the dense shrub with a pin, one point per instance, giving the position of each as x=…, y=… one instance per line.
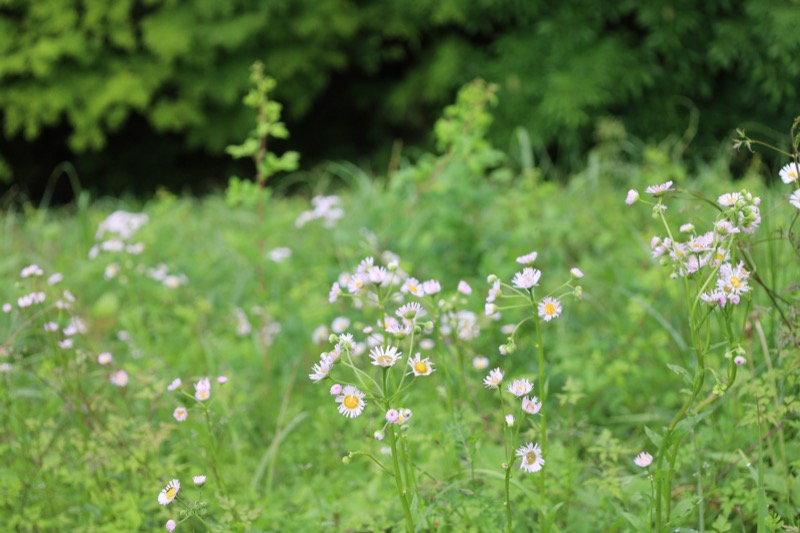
x=356, y=74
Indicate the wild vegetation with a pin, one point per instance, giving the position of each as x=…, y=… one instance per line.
x=459, y=345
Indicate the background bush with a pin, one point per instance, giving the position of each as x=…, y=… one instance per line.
x=157, y=84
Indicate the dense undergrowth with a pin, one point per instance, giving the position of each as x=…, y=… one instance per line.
x=198, y=288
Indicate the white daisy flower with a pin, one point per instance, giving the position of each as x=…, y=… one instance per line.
x=411, y=311
x=531, y=405
x=794, y=199
x=659, y=190
x=464, y=288
x=340, y=324
x=384, y=356
x=527, y=259
x=643, y=460
x=520, y=387
x=431, y=287
x=202, y=389
x=351, y=402
x=549, y=308
x=494, y=379
x=480, y=363
x=320, y=371
x=169, y=493
x=531, y=455
x=119, y=378
x=789, y=173
x=528, y=278
x=632, y=196
x=413, y=287
x=180, y=414
x=420, y=367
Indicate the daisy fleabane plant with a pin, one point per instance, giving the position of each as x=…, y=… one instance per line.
x=513, y=411
x=526, y=293
x=395, y=310
x=715, y=274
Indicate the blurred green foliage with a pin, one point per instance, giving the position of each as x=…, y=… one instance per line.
x=364, y=72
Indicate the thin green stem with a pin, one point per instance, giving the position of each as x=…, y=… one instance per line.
x=398, y=478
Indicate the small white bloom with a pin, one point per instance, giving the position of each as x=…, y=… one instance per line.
x=494, y=379
x=169, y=493
x=527, y=259
x=789, y=172
x=480, y=363
x=464, y=288
x=794, y=199
x=384, y=356
x=528, y=278
x=340, y=324
x=351, y=402
x=280, y=254
x=119, y=378
x=520, y=387
x=659, y=190
x=531, y=455
x=643, y=460
x=633, y=195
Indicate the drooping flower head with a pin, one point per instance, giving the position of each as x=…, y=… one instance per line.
x=632, y=196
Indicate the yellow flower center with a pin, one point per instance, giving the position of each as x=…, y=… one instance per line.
x=351, y=401
x=530, y=457
x=171, y=493
x=735, y=282
x=421, y=367
x=203, y=394
x=549, y=308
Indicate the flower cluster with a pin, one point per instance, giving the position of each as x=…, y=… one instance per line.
x=713, y=250
x=524, y=285
x=170, y=492
x=202, y=393
x=328, y=208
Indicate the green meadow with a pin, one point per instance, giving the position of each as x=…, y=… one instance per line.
x=653, y=389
